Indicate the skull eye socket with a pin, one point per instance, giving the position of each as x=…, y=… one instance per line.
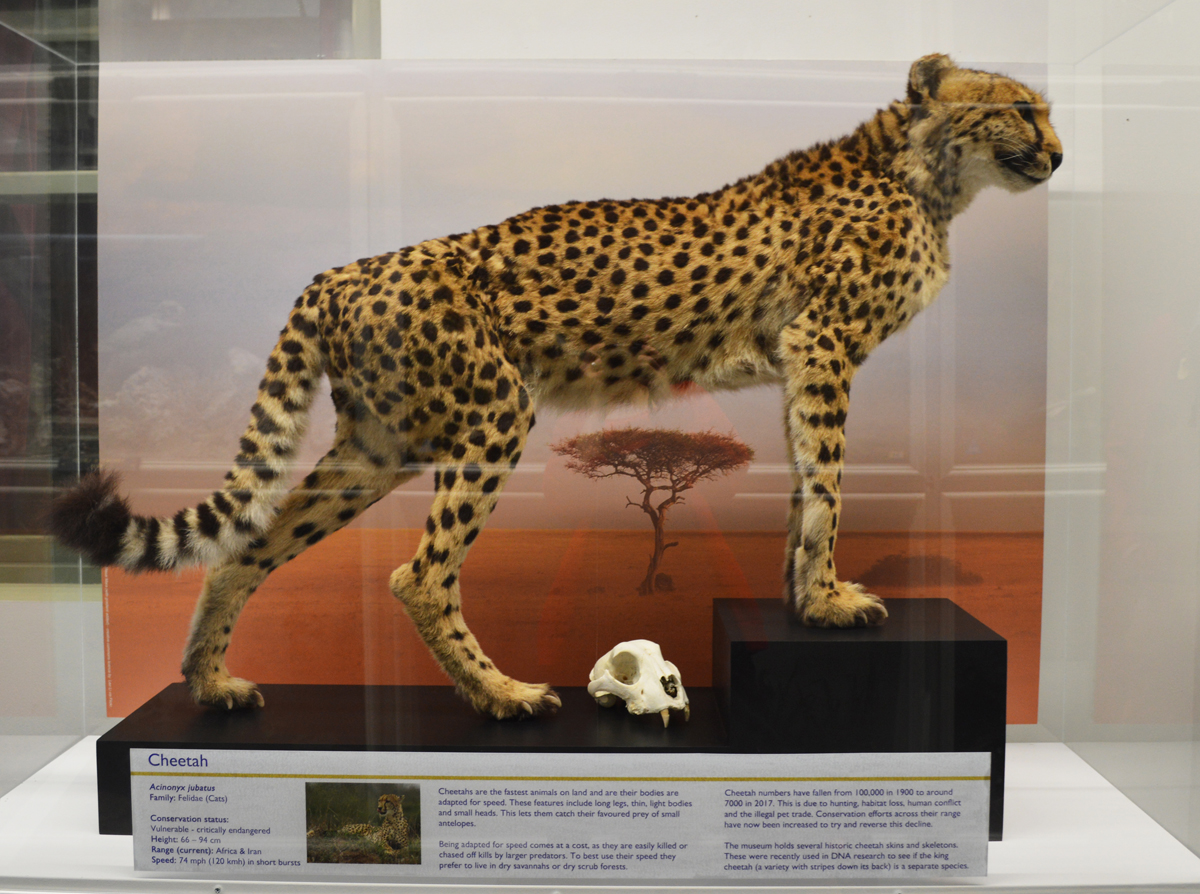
x=625, y=668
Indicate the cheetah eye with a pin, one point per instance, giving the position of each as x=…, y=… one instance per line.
x=1025, y=110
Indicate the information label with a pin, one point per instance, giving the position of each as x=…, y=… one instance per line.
x=581, y=817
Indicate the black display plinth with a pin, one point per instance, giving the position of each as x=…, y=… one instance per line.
x=930, y=679
x=382, y=718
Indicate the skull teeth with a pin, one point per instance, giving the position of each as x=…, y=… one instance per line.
x=666, y=716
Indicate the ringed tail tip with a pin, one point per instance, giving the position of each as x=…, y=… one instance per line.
x=91, y=517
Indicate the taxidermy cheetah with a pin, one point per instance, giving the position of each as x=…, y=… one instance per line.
x=392, y=834
x=439, y=353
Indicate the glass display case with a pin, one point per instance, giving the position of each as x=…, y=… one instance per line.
x=54, y=685
x=175, y=173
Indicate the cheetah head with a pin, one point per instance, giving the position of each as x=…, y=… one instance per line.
x=988, y=129
x=390, y=805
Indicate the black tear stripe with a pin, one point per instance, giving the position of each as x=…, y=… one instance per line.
x=1025, y=110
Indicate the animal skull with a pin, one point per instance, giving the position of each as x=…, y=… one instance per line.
x=637, y=673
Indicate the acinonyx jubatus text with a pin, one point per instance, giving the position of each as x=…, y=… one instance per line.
x=439, y=353
x=391, y=834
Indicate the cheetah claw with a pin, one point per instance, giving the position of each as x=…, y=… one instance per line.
x=228, y=694
x=849, y=606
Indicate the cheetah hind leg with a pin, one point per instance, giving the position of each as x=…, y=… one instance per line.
x=465, y=492
x=345, y=482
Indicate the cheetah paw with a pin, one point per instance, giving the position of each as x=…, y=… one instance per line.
x=227, y=693
x=848, y=605
x=512, y=699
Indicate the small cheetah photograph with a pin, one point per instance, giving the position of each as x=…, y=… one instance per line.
x=363, y=822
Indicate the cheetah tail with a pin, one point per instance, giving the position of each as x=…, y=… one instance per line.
x=94, y=519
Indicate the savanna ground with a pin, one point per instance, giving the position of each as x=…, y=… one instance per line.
x=546, y=604
x=331, y=805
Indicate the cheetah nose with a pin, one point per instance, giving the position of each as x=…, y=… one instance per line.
x=1055, y=161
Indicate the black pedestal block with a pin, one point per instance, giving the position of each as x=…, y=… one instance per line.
x=383, y=718
x=932, y=678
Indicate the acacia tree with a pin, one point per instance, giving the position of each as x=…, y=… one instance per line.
x=664, y=462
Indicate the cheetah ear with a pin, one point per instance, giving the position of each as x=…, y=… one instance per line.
x=925, y=76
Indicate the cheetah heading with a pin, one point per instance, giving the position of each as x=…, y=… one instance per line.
x=439, y=353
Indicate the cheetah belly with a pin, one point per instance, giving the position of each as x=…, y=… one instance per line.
x=633, y=370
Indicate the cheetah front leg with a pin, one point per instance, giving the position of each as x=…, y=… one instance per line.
x=818, y=394
x=471, y=471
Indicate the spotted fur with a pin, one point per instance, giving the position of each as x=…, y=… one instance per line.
x=393, y=833
x=438, y=354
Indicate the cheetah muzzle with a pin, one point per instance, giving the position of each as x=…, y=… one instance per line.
x=439, y=353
